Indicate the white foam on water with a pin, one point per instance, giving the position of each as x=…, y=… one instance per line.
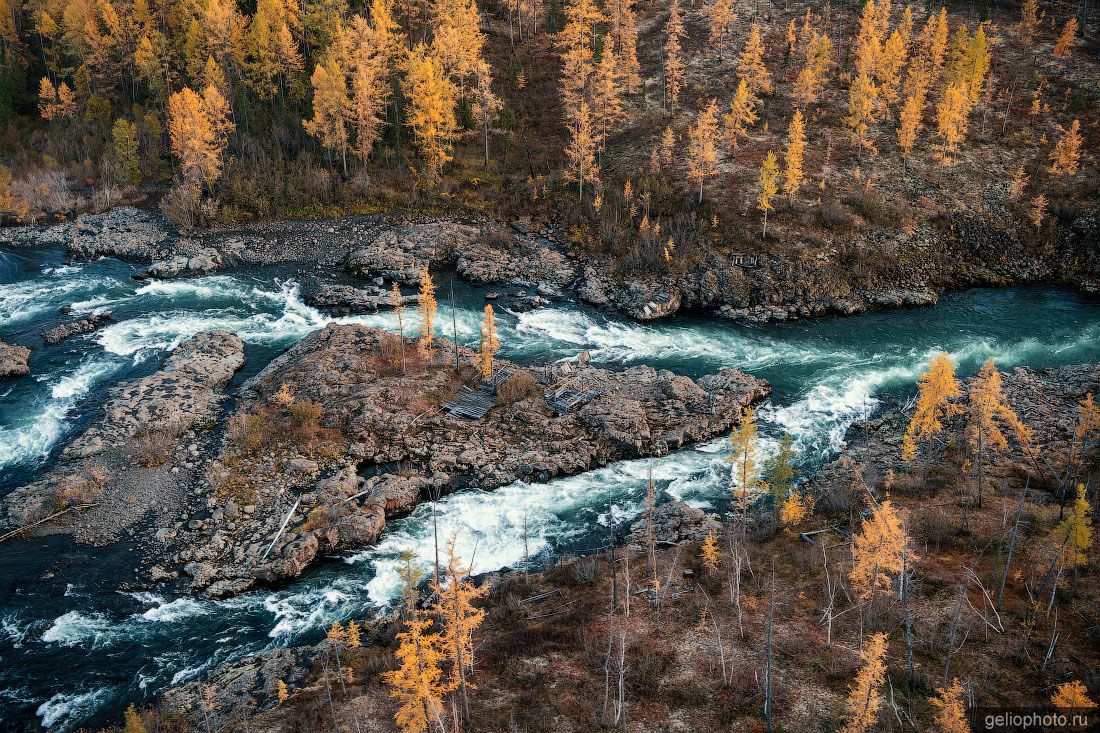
x=13, y=628
x=24, y=300
x=77, y=629
x=39, y=431
x=255, y=314
x=626, y=341
x=63, y=710
x=165, y=611
x=308, y=609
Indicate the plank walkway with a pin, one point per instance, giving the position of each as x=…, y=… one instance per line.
x=474, y=404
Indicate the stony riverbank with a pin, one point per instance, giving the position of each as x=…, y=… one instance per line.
x=881, y=268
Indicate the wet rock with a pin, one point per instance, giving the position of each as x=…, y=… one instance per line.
x=57, y=334
x=13, y=360
x=202, y=262
x=348, y=300
x=642, y=299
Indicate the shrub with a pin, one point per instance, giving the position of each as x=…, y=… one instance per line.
x=305, y=417
x=519, y=386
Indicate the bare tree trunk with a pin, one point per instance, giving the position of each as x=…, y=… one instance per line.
x=952, y=632
x=769, y=659
x=1012, y=544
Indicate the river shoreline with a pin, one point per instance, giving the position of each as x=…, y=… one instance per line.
x=909, y=269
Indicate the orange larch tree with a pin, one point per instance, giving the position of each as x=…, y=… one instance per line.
x=1066, y=155
x=674, y=64
x=750, y=65
x=863, y=695
x=703, y=146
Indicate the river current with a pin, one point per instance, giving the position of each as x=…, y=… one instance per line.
x=72, y=652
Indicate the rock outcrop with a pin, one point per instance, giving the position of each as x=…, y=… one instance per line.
x=60, y=333
x=347, y=300
x=401, y=253
x=128, y=462
x=202, y=262
x=13, y=360
x=501, y=258
x=395, y=446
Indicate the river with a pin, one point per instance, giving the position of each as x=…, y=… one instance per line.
x=72, y=652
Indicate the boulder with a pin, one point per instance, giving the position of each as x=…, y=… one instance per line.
x=13, y=360
x=675, y=523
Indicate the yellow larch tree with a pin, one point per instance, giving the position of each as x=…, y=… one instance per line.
x=950, y=710
x=793, y=157
x=1063, y=48
x=1066, y=155
x=354, y=635
x=1029, y=20
x=427, y=308
x=1072, y=696
x=1037, y=210
x=952, y=120
x=607, y=101
x=750, y=65
x=767, y=187
x=55, y=102
x=282, y=692
x=989, y=415
x=709, y=553
x=199, y=127
x=330, y=109
x=702, y=159
x=457, y=40
x=132, y=722
x=674, y=63
x=815, y=71
x=398, y=305
x=459, y=618
x=576, y=43
x=878, y=551
x=488, y=344
x=431, y=111
x=863, y=695
x=418, y=683
x=581, y=153
x=926, y=60
x=796, y=507
x=720, y=16
x=862, y=111
x=746, y=472
x=909, y=122
x=1074, y=532
x=742, y=114
x=937, y=391
x=868, y=43
x=623, y=33
x=888, y=69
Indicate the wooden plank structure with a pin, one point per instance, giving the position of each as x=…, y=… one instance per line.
x=567, y=399
x=744, y=260
x=474, y=404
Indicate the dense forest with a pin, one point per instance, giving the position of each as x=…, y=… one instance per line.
x=654, y=129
